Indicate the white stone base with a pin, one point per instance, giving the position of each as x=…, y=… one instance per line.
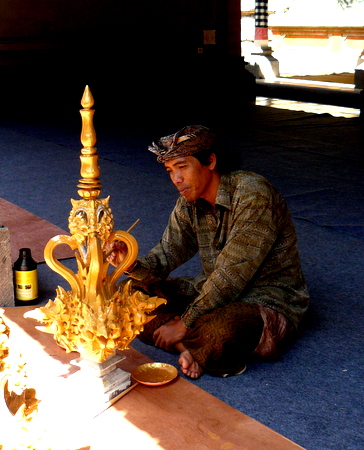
x=263, y=66
x=98, y=369
x=99, y=382
x=359, y=76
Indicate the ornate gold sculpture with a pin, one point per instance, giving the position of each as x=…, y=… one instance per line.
x=94, y=317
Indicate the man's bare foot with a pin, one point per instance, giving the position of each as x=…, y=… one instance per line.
x=189, y=366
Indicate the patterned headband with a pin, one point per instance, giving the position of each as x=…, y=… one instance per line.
x=188, y=141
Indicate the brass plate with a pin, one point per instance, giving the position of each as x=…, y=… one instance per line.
x=154, y=374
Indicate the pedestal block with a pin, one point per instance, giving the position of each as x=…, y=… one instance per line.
x=359, y=76
x=100, y=382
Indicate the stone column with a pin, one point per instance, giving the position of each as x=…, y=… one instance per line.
x=6, y=273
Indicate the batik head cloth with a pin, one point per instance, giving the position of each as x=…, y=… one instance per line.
x=188, y=141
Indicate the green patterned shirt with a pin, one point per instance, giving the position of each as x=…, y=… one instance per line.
x=247, y=245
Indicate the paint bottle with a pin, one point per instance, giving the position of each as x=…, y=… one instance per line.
x=25, y=279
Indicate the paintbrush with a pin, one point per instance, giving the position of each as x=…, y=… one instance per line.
x=128, y=231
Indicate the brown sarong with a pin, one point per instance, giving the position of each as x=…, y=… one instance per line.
x=221, y=341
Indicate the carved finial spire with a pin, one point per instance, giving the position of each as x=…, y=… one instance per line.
x=95, y=317
x=90, y=185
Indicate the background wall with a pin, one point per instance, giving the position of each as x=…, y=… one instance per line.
x=143, y=54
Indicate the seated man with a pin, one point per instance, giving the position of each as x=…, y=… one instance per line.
x=251, y=295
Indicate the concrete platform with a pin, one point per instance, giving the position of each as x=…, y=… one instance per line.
x=339, y=94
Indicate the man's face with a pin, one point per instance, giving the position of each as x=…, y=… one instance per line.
x=191, y=178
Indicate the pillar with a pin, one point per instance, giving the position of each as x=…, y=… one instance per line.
x=6, y=274
x=261, y=22
x=262, y=63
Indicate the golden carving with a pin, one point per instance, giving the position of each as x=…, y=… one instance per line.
x=4, y=338
x=96, y=330
x=94, y=318
x=20, y=400
x=90, y=185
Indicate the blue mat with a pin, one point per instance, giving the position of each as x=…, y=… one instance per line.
x=314, y=394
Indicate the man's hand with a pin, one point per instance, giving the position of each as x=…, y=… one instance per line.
x=170, y=334
x=119, y=251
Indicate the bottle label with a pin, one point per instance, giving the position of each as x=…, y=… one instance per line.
x=26, y=284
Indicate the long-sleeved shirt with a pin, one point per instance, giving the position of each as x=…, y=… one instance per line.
x=247, y=245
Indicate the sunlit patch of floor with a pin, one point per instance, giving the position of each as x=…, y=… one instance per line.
x=315, y=108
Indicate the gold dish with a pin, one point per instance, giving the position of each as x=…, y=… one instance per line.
x=154, y=374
